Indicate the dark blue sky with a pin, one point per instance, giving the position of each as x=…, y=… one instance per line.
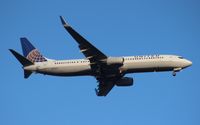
x=116, y=27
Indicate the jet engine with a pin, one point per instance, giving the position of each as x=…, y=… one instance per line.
x=125, y=81
x=115, y=60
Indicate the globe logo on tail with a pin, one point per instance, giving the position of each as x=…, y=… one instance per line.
x=35, y=56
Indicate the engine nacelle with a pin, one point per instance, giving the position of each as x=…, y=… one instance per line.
x=125, y=81
x=115, y=61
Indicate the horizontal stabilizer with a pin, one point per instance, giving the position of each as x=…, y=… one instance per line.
x=21, y=59
x=27, y=74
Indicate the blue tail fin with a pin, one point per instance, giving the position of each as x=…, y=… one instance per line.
x=30, y=52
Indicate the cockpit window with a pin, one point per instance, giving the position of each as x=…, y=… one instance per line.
x=180, y=57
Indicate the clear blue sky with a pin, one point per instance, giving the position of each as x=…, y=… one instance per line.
x=117, y=27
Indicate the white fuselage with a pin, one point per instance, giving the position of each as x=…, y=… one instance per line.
x=131, y=64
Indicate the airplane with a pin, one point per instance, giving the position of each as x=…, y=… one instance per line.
x=108, y=71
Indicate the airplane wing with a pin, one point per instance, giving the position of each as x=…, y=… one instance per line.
x=96, y=58
x=104, y=88
x=90, y=51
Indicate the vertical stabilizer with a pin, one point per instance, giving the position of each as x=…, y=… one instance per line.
x=30, y=52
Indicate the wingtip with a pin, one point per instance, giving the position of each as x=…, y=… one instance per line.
x=65, y=24
x=11, y=50
x=23, y=38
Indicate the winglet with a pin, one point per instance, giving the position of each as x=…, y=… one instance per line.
x=65, y=24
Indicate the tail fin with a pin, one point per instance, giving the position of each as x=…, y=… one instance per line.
x=23, y=61
x=30, y=52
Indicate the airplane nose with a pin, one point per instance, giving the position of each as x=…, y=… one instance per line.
x=188, y=63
